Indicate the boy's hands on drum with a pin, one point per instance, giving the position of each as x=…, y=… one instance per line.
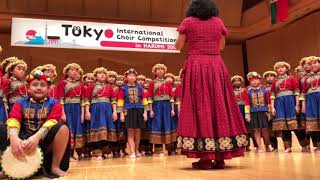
x=16, y=146
x=31, y=143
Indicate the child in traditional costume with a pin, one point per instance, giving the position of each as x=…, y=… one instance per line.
x=256, y=109
x=4, y=65
x=51, y=71
x=285, y=106
x=144, y=140
x=311, y=102
x=35, y=120
x=87, y=79
x=71, y=94
x=148, y=146
x=269, y=77
x=240, y=93
x=101, y=112
x=169, y=77
x=161, y=101
x=15, y=87
x=120, y=126
x=132, y=102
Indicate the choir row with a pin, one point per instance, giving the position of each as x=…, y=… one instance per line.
x=286, y=103
x=102, y=109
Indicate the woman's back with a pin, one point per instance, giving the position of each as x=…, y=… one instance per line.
x=203, y=37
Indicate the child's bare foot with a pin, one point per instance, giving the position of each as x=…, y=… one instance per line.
x=57, y=171
x=2, y=176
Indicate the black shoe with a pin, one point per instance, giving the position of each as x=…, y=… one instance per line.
x=116, y=155
x=149, y=153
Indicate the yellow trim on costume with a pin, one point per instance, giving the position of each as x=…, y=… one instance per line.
x=247, y=109
x=172, y=100
x=4, y=99
x=13, y=123
x=120, y=102
x=269, y=108
x=302, y=97
x=178, y=103
x=83, y=104
x=272, y=97
x=62, y=102
x=49, y=123
x=144, y=101
x=150, y=101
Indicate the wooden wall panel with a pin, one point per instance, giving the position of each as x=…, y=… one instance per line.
x=166, y=10
x=18, y=5
x=135, y=9
x=232, y=56
x=317, y=34
x=3, y=6
x=56, y=7
x=231, y=14
x=263, y=52
x=289, y=44
x=103, y=9
x=65, y=7
x=255, y=14
x=36, y=6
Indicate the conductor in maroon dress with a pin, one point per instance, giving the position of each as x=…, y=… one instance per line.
x=210, y=124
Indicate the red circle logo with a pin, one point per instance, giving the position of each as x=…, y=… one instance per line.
x=108, y=33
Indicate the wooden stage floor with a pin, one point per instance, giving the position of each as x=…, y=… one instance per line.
x=264, y=166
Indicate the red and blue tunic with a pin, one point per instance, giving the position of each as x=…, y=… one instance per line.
x=161, y=96
x=71, y=94
x=284, y=92
x=29, y=116
x=311, y=94
x=101, y=97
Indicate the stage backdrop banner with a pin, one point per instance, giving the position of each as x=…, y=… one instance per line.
x=91, y=35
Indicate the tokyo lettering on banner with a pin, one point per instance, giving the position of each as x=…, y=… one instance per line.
x=90, y=35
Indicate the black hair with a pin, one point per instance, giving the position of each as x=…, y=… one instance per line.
x=202, y=9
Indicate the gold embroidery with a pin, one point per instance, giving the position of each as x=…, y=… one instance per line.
x=254, y=100
x=188, y=143
x=283, y=125
x=210, y=146
x=133, y=96
x=261, y=99
x=43, y=113
x=312, y=126
x=225, y=143
x=163, y=138
x=29, y=113
x=242, y=141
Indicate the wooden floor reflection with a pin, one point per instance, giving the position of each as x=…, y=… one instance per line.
x=263, y=166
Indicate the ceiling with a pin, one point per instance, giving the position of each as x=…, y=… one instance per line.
x=247, y=4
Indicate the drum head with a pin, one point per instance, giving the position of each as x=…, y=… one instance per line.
x=21, y=168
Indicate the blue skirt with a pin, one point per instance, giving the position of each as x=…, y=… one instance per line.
x=286, y=117
x=3, y=114
x=313, y=112
x=102, y=127
x=163, y=129
x=73, y=116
